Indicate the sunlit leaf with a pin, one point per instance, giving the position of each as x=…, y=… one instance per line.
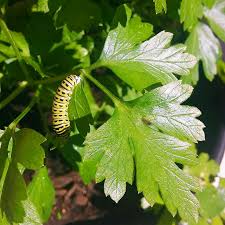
x=145, y=131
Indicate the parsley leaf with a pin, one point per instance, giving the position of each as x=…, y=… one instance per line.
x=216, y=18
x=206, y=47
x=40, y=6
x=23, y=46
x=142, y=64
x=160, y=5
x=209, y=197
x=78, y=106
x=42, y=200
x=190, y=12
x=11, y=200
x=209, y=3
x=143, y=133
x=205, y=169
x=25, y=150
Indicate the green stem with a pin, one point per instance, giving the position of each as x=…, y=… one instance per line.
x=14, y=94
x=43, y=117
x=15, y=48
x=23, y=85
x=26, y=110
x=50, y=80
x=95, y=65
x=115, y=100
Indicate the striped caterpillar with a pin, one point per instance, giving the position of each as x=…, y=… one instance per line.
x=60, y=117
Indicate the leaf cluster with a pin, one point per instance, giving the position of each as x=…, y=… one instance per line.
x=21, y=204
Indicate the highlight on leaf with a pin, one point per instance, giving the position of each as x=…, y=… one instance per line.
x=141, y=61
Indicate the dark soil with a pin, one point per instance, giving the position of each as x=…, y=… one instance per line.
x=80, y=204
x=73, y=199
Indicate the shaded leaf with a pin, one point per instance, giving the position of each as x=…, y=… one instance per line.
x=79, y=109
x=209, y=197
x=166, y=219
x=41, y=6
x=7, y=51
x=78, y=106
x=13, y=193
x=78, y=15
x=160, y=5
x=20, y=41
x=205, y=168
x=37, y=24
x=206, y=47
x=216, y=18
x=70, y=150
x=30, y=61
x=42, y=200
x=122, y=16
x=27, y=149
x=4, y=148
x=221, y=70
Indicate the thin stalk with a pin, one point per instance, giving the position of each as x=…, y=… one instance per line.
x=49, y=80
x=15, y=48
x=95, y=65
x=26, y=110
x=14, y=94
x=115, y=100
x=43, y=117
x=24, y=84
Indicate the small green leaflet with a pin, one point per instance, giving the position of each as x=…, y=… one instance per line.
x=23, y=46
x=160, y=5
x=216, y=18
x=5, y=148
x=148, y=134
x=42, y=194
x=209, y=197
x=14, y=192
x=79, y=109
x=40, y=6
x=205, y=169
x=36, y=66
x=206, y=47
x=190, y=12
x=209, y=3
x=19, y=40
x=26, y=151
x=141, y=65
x=78, y=105
x=166, y=219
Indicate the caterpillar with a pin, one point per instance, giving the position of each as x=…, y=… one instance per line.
x=60, y=117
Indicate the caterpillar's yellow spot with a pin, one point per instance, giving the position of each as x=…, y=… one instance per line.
x=60, y=117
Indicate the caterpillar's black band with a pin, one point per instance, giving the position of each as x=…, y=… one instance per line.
x=60, y=118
